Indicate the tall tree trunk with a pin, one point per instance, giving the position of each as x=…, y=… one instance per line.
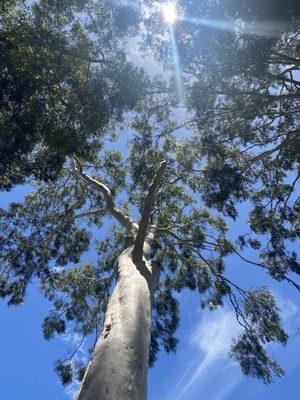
x=119, y=366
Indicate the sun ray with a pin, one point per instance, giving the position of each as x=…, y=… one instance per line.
x=262, y=28
x=177, y=66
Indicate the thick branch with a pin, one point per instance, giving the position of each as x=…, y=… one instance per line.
x=168, y=232
x=232, y=91
x=291, y=136
x=72, y=218
x=287, y=57
x=186, y=242
x=123, y=219
x=85, y=214
x=146, y=213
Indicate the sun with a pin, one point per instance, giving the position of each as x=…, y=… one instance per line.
x=169, y=13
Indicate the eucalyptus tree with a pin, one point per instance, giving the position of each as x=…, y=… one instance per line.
x=64, y=78
x=159, y=240
x=144, y=214
x=239, y=64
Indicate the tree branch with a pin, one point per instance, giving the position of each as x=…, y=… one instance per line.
x=287, y=57
x=168, y=232
x=234, y=92
x=123, y=219
x=137, y=252
x=72, y=218
x=85, y=214
x=291, y=136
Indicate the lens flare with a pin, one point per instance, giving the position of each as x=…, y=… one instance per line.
x=177, y=66
x=169, y=13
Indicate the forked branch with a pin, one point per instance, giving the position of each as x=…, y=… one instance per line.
x=146, y=212
x=123, y=219
x=292, y=136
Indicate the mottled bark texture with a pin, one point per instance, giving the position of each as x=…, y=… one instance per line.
x=119, y=366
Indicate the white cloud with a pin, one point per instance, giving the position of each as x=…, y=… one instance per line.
x=225, y=390
x=149, y=64
x=75, y=340
x=211, y=338
x=72, y=390
x=208, y=370
x=214, y=333
x=288, y=308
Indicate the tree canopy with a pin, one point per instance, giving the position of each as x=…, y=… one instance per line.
x=241, y=101
x=43, y=238
x=240, y=68
x=65, y=78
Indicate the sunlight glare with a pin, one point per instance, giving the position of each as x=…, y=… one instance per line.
x=170, y=13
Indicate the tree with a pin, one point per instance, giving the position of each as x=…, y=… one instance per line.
x=240, y=68
x=176, y=244
x=64, y=80
x=42, y=238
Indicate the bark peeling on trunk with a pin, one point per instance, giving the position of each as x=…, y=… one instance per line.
x=119, y=366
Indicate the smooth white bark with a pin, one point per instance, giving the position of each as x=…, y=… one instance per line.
x=119, y=366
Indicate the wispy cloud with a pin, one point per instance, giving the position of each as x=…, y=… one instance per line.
x=289, y=312
x=75, y=340
x=210, y=345
x=214, y=333
x=209, y=373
